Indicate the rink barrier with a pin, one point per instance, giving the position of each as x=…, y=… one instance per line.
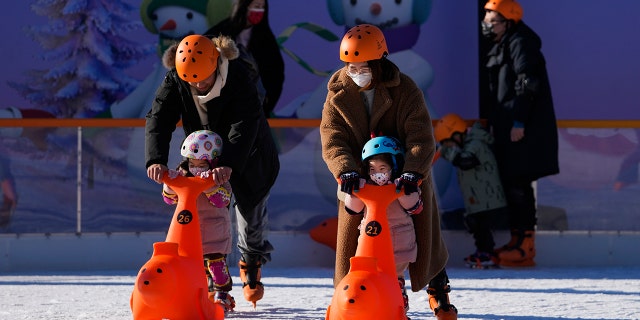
x=81, y=123
x=127, y=250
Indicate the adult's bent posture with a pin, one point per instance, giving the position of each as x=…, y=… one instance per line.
x=370, y=95
x=207, y=88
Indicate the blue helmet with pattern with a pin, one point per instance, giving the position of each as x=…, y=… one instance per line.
x=381, y=145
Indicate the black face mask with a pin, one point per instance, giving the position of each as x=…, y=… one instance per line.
x=487, y=30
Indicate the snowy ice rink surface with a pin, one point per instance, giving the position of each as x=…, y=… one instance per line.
x=536, y=293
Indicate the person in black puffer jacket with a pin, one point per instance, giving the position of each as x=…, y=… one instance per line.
x=209, y=89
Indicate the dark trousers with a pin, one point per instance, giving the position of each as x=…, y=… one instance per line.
x=521, y=203
x=252, y=231
x=481, y=226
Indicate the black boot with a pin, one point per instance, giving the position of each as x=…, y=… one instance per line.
x=438, y=290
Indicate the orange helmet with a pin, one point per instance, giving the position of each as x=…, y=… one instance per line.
x=196, y=58
x=448, y=125
x=509, y=9
x=362, y=43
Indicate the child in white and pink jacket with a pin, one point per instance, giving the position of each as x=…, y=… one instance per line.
x=201, y=150
x=383, y=159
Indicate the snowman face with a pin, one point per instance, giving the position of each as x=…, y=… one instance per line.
x=385, y=14
x=177, y=22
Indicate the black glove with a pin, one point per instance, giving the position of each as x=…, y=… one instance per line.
x=408, y=180
x=350, y=182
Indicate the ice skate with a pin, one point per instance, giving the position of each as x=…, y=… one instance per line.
x=522, y=253
x=518, y=264
x=250, y=275
x=219, y=279
x=512, y=242
x=223, y=298
x=481, y=260
x=440, y=305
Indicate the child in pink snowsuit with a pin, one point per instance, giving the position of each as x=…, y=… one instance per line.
x=383, y=159
x=201, y=150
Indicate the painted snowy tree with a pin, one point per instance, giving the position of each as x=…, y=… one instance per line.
x=85, y=45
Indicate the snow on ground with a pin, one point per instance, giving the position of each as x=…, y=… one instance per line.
x=535, y=293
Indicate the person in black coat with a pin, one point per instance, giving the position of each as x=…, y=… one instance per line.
x=249, y=26
x=522, y=118
x=208, y=88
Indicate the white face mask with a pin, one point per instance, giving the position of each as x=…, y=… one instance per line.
x=381, y=178
x=361, y=79
x=196, y=171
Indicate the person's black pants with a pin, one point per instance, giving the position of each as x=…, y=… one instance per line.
x=521, y=203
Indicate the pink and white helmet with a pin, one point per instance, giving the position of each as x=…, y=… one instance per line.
x=202, y=144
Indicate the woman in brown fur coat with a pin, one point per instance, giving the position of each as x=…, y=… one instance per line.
x=371, y=95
